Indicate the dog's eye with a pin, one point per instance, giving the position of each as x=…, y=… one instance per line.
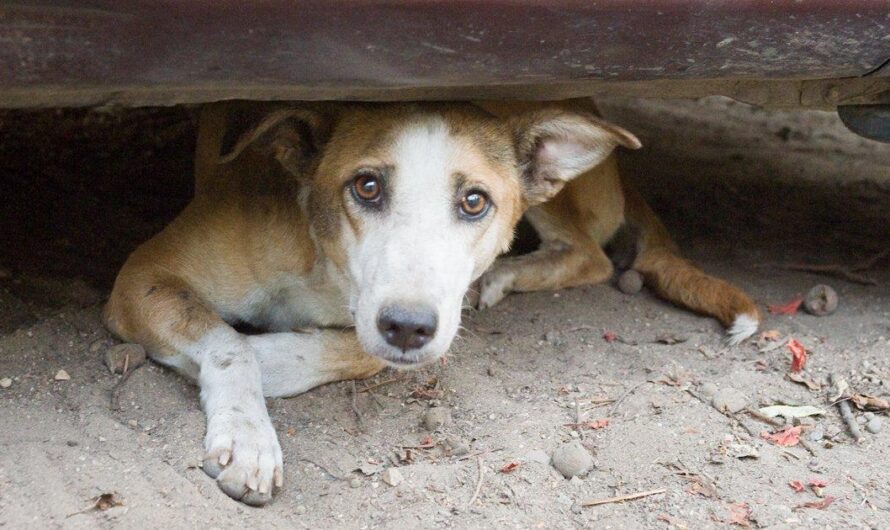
x=474, y=204
x=366, y=187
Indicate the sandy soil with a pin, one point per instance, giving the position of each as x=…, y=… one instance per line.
x=741, y=189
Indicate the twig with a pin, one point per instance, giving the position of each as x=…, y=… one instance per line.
x=846, y=413
x=116, y=390
x=479, y=453
x=358, y=413
x=623, y=498
x=578, y=419
x=850, y=273
x=763, y=417
x=388, y=381
x=478, y=484
x=323, y=468
x=630, y=391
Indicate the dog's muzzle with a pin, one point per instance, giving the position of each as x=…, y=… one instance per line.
x=407, y=328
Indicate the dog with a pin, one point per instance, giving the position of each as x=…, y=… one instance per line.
x=594, y=212
x=362, y=225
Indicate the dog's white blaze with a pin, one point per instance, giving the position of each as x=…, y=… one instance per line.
x=418, y=251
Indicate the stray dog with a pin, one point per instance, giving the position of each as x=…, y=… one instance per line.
x=599, y=210
x=331, y=216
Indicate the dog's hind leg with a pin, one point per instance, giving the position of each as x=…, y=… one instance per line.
x=292, y=363
x=176, y=327
x=679, y=281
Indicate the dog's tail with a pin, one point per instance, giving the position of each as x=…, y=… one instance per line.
x=679, y=281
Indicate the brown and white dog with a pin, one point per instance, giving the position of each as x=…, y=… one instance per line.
x=377, y=217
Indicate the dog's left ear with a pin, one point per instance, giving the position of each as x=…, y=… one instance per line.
x=554, y=146
x=293, y=136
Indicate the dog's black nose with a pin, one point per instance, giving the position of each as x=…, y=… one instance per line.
x=407, y=328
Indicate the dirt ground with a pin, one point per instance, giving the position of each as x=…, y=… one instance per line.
x=743, y=191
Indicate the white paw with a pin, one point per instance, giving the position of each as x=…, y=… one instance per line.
x=243, y=455
x=494, y=286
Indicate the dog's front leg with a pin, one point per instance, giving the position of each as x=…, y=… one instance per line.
x=178, y=330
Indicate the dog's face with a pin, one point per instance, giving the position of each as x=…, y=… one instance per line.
x=414, y=202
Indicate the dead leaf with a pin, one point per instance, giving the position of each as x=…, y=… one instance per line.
x=797, y=486
x=592, y=425
x=789, y=308
x=798, y=355
x=106, y=501
x=818, y=483
x=866, y=402
x=785, y=438
x=670, y=339
x=739, y=513
x=610, y=336
x=511, y=467
x=427, y=443
x=800, y=379
x=699, y=487
x=673, y=521
x=788, y=411
x=818, y=505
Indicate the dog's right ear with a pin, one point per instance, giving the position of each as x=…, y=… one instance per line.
x=291, y=135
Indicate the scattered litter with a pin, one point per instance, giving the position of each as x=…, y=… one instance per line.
x=610, y=336
x=866, y=402
x=785, y=438
x=843, y=404
x=62, y=375
x=788, y=411
x=742, y=451
x=101, y=503
x=591, y=425
x=798, y=355
x=821, y=301
x=511, y=467
x=803, y=380
x=818, y=505
x=623, y=498
x=797, y=486
x=789, y=308
x=739, y=514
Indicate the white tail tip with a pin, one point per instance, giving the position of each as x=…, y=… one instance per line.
x=742, y=327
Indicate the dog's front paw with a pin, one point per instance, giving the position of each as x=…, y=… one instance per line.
x=494, y=286
x=243, y=455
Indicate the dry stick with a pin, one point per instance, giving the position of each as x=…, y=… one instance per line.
x=848, y=273
x=624, y=396
x=846, y=413
x=578, y=419
x=776, y=423
x=358, y=413
x=116, y=390
x=478, y=484
x=622, y=498
x=388, y=381
x=479, y=453
x=729, y=415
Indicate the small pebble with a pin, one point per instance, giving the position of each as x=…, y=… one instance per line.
x=436, y=417
x=630, y=282
x=133, y=423
x=117, y=356
x=874, y=425
x=708, y=390
x=457, y=446
x=5, y=382
x=729, y=400
x=868, y=416
x=821, y=301
x=355, y=483
x=392, y=476
x=62, y=375
x=572, y=460
x=816, y=434
x=301, y=509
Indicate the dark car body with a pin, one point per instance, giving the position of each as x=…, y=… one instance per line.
x=809, y=53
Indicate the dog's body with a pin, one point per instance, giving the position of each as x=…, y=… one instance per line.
x=588, y=214
x=331, y=216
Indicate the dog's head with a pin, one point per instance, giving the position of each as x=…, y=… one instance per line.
x=413, y=202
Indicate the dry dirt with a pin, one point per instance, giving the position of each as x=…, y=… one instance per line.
x=742, y=190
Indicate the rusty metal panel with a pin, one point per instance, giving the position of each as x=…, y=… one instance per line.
x=328, y=47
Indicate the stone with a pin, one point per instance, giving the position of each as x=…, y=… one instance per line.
x=62, y=375
x=392, y=476
x=708, y=390
x=436, y=417
x=630, y=282
x=572, y=460
x=130, y=355
x=729, y=400
x=5, y=382
x=821, y=300
x=874, y=425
